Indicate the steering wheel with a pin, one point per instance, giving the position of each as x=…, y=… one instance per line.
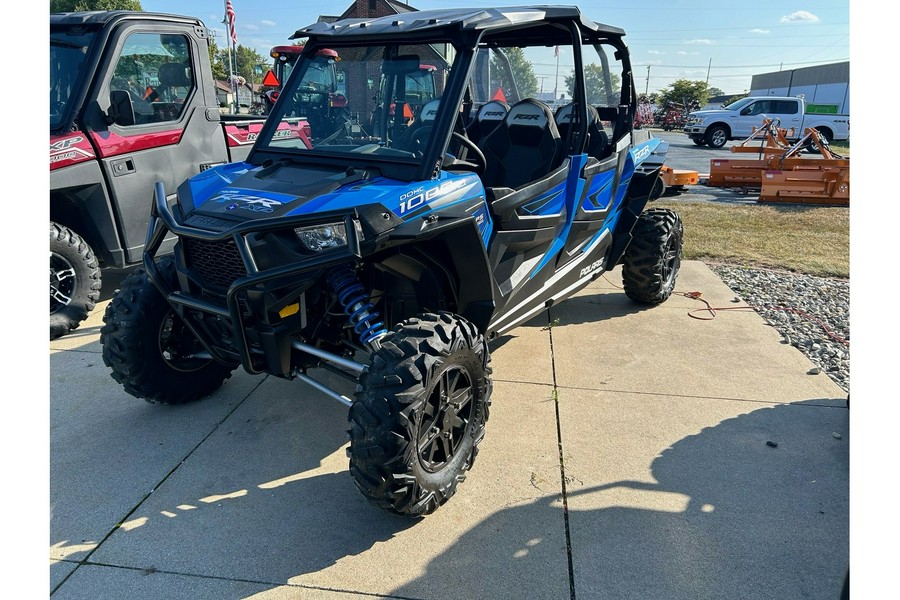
x=478, y=166
x=480, y=163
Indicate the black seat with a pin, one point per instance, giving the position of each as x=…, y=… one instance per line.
x=488, y=117
x=414, y=138
x=172, y=75
x=523, y=147
x=597, y=141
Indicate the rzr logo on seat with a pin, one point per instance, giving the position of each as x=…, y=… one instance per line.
x=495, y=113
x=525, y=117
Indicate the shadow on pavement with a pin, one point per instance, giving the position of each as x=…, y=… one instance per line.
x=728, y=517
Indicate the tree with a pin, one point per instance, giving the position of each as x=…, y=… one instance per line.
x=80, y=5
x=247, y=59
x=522, y=73
x=219, y=69
x=595, y=85
x=714, y=91
x=685, y=93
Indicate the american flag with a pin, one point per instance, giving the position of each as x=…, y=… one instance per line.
x=229, y=17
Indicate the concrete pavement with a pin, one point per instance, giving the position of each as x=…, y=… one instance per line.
x=630, y=453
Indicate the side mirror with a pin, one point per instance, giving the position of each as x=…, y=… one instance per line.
x=121, y=110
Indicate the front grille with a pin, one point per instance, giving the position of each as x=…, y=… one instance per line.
x=218, y=264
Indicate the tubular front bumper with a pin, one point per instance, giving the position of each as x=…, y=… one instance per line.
x=248, y=298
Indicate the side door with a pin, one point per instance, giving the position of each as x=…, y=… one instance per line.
x=789, y=112
x=173, y=134
x=750, y=117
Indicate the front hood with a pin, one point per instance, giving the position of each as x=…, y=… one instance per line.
x=239, y=192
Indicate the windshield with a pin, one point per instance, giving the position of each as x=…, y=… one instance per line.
x=68, y=56
x=385, y=106
x=737, y=104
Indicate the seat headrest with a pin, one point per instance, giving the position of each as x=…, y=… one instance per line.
x=174, y=75
x=495, y=110
x=566, y=114
x=429, y=112
x=530, y=113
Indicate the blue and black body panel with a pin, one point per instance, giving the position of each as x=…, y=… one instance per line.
x=555, y=236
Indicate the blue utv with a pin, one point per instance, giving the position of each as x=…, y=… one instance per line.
x=394, y=258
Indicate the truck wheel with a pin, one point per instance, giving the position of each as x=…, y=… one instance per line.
x=149, y=348
x=74, y=280
x=653, y=257
x=717, y=136
x=420, y=413
x=813, y=148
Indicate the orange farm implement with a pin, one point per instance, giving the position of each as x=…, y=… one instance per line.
x=780, y=173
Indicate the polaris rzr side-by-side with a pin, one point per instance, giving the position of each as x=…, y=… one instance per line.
x=393, y=259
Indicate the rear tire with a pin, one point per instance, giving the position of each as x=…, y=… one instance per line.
x=74, y=280
x=813, y=148
x=652, y=260
x=149, y=348
x=420, y=413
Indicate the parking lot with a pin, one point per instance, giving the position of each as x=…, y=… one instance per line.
x=630, y=453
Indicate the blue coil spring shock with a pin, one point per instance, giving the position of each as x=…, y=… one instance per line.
x=355, y=301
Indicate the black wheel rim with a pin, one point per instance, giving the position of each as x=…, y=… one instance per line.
x=177, y=345
x=445, y=418
x=671, y=260
x=62, y=282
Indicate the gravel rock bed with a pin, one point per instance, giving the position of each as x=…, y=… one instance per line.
x=812, y=313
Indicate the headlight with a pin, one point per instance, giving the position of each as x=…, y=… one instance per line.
x=323, y=237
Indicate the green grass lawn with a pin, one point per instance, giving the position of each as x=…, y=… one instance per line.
x=808, y=239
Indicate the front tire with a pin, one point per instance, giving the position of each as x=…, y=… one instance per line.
x=150, y=349
x=420, y=413
x=74, y=280
x=653, y=258
x=717, y=136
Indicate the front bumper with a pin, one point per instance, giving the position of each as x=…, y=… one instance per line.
x=695, y=131
x=240, y=317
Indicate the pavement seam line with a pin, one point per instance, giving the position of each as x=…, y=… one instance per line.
x=562, y=465
x=134, y=509
x=246, y=580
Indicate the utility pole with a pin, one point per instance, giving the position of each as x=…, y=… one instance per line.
x=707, y=72
x=647, y=86
x=542, y=78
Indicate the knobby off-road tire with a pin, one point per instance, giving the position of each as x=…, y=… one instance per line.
x=652, y=259
x=420, y=413
x=74, y=280
x=148, y=347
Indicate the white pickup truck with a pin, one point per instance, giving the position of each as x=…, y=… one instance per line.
x=736, y=121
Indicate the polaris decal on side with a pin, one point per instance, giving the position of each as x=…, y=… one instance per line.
x=597, y=264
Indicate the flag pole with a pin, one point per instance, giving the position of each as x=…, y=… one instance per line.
x=228, y=51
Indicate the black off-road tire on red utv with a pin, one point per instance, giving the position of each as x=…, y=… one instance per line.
x=74, y=280
x=652, y=260
x=149, y=349
x=420, y=413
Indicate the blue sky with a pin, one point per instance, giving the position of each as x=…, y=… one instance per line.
x=676, y=38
